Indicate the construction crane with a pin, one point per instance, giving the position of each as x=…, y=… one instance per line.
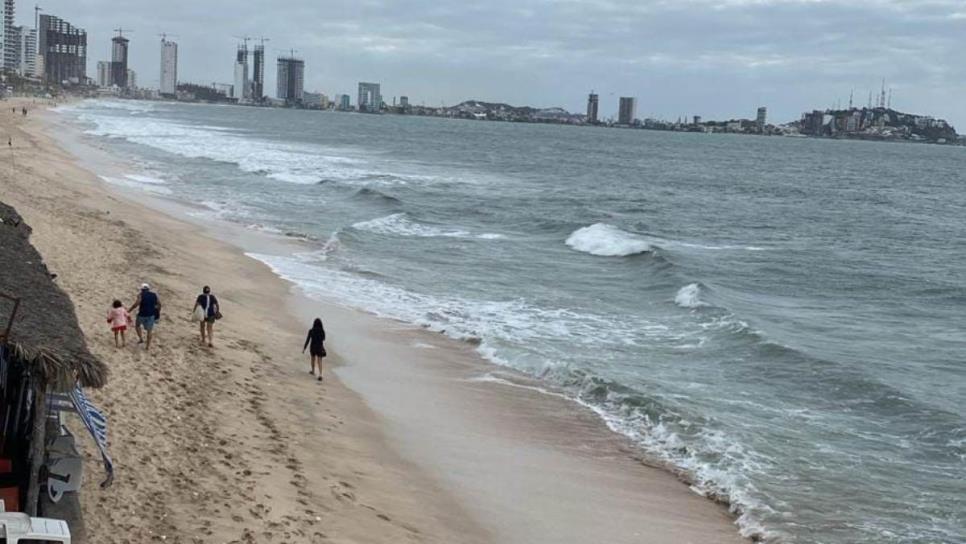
x=165, y=36
x=120, y=31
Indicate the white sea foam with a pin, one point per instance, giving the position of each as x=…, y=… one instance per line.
x=150, y=180
x=145, y=183
x=607, y=241
x=285, y=161
x=689, y=296
x=399, y=224
x=289, y=162
x=715, y=247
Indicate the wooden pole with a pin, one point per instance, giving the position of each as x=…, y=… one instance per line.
x=38, y=439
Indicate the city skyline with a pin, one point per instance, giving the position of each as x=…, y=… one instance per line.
x=742, y=59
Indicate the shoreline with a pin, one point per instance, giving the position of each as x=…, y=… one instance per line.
x=561, y=437
x=211, y=443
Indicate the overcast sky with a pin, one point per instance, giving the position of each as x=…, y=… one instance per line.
x=715, y=58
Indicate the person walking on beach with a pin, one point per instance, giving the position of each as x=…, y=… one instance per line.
x=149, y=309
x=119, y=319
x=315, y=341
x=206, y=312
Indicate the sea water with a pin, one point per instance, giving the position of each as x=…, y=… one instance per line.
x=782, y=320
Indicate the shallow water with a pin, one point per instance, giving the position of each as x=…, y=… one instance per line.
x=781, y=318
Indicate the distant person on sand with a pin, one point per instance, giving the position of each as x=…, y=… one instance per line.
x=149, y=310
x=315, y=342
x=119, y=319
x=206, y=312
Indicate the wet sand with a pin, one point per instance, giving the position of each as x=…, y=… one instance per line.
x=240, y=444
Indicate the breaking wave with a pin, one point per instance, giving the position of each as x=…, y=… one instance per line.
x=399, y=224
x=689, y=296
x=606, y=240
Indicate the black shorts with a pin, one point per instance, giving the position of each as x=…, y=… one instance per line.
x=317, y=351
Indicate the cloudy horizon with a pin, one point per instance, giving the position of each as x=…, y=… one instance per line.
x=716, y=58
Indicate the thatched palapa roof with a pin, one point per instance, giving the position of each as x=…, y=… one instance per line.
x=44, y=334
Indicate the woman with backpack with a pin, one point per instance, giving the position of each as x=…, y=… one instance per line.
x=206, y=312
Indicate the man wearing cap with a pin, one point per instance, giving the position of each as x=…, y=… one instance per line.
x=148, y=307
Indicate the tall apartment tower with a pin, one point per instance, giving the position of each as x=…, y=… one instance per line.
x=9, y=38
x=627, y=111
x=243, y=90
x=169, y=67
x=258, y=74
x=27, y=61
x=762, y=117
x=61, y=51
x=119, y=47
x=369, y=101
x=103, y=73
x=290, y=84
x=593, y=102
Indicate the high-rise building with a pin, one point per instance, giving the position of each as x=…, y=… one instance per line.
x=592, y=104
x=169, y=67
x=627, y=112
x=344, y=104
x=9, y=39
x=243, y=89
x=762, y=117
x=13, y=44
x=403, y=102
x=132, y=79
x=258, y=74
x=103, y=73
x=61, y=51
x=119, y=47
x=27, y=52
x=290, y=80
x=369, y=100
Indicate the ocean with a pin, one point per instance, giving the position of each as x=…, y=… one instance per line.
x=781, y=320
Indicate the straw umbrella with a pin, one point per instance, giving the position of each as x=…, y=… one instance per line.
x=43, y=335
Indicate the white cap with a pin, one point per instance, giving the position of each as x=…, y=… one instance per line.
x=145, y=286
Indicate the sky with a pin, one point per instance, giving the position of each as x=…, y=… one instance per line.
x=720, y=59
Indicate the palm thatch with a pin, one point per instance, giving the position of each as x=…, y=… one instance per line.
x=44, y=334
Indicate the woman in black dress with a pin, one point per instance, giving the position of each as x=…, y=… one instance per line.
x=315, y=342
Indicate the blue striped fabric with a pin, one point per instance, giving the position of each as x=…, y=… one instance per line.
x=96, y=423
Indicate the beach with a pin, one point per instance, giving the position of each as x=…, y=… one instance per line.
x=402, y=442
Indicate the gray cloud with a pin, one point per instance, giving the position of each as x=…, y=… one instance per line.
x=716, y=58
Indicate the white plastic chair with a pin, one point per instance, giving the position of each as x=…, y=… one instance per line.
x=17, y=527
x=65, y=474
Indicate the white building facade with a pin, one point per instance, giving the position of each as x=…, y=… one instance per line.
x=169, y=67
x=242, y=91
x=103, y=73
x=9, y=38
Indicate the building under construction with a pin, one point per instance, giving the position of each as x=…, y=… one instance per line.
x=62, y=51
x=119, y=49
x=243, y=91
x=258, y=74
x=291, y=80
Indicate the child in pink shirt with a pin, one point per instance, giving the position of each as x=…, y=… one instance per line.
x=119, y=319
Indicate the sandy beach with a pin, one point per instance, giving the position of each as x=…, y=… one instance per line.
x=412, y=438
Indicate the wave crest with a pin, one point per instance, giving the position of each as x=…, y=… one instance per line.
x=606, y=240
x=399, y=224
x=689, y=296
